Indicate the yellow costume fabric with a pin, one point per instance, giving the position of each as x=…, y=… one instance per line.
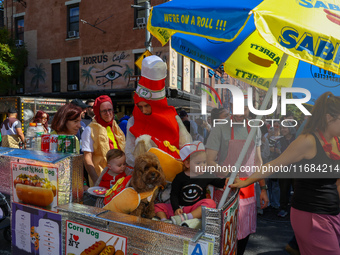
x=128, y=200
x=101, y=144
x=171, y=166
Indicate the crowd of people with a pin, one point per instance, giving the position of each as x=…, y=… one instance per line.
x=110, y=150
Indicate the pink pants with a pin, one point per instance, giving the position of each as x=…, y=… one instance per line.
x=167, y=208
x=316, y=233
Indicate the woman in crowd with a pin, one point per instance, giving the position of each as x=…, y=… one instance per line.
x=101, y=135
x=67, y=121
x=43, y=118
x=315, y=204
x=218, y=113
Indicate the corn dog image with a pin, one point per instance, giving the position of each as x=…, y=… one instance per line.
x=94, y=249
x=110, y=249
x=120, y=252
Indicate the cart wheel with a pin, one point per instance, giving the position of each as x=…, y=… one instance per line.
x=8, y=234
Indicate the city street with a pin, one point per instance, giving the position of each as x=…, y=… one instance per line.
x=5, y=247
x=272, y=235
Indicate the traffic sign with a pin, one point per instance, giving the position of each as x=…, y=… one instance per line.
x=140, y=59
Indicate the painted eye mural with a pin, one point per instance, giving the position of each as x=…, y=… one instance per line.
x=107, y=75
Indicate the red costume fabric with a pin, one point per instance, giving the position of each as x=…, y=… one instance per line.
x=328, y=147
x=108, y=180
x=161, y=124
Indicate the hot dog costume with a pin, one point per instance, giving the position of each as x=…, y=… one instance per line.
x=163, y=125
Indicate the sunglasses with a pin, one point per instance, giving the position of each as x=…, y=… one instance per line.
x=90, y=107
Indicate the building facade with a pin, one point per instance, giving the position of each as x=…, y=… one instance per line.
x=82, y=48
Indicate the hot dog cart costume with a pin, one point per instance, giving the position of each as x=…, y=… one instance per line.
x=163, y=125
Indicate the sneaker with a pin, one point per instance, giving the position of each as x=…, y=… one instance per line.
x=158, y=219
x=291, y=250
x=193, y=223
x=178, y=219
x=167, y=221
x=282, y=213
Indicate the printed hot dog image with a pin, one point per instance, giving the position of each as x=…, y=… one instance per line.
x=332, y=16
x=31, y=189
x=259, y=61
x=94, y=249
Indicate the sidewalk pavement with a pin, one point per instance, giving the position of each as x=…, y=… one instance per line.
x=272, y=234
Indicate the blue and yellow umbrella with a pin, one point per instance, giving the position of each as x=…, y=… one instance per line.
x=305, y=29
x=253, y=39
x=255, y=62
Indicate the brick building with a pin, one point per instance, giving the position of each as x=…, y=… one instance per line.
x=83, y=48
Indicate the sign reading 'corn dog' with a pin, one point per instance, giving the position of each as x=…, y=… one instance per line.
x=85, y=240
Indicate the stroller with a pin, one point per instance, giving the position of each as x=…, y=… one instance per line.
x=5, y=212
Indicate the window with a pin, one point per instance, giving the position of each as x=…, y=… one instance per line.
x=72, y=21
x=139, y=13
x=202, y=74
x=56, y=77
x=179, y=71
x=2, y=21
x=210, y=83
x=20, y=84
x=192, y=76
x=19, y=29
x=73, y=75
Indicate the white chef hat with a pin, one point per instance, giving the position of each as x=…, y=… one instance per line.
x=189, y=148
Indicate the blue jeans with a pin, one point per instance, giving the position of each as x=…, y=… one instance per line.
x=274, y=193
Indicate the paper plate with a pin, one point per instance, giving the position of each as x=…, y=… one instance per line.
x=97, y=191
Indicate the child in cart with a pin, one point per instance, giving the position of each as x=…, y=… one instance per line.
x=114, y=171
x=188, y=191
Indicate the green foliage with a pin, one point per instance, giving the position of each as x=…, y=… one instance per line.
x=12, y=61
x=298, y=115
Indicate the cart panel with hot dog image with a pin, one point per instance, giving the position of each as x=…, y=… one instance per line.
x=85, y=240
x=35, y=184
x=142, y=236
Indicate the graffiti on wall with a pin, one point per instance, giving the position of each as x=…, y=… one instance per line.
x=109, y=75
x=111, y=70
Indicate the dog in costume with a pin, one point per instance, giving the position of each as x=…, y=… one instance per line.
x=155, y=126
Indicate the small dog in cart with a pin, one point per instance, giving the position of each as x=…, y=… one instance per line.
x=5, y=212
